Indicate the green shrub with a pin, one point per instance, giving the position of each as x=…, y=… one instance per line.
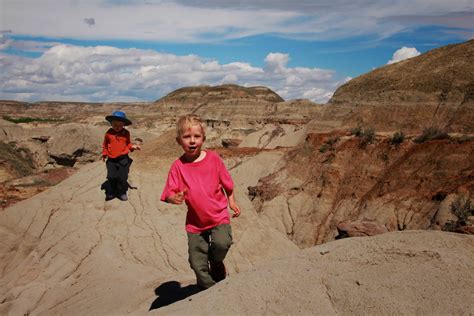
x=357, y=131
x=367, y=133
x=430, y=134
x=324, y=148
x=368, y=136
x=17, y=120
x=331, y=141
x=328, y=145
x=397, y=138
x=462, y=209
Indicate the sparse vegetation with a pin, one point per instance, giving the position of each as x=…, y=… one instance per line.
x=324, y=148
x=356, y=131
x=367, y=135
x=328, y=145
x=331, y=141
x=17, y=120
x=430, y=134
x=462, y=209
x=19, y=159
x=397, y=138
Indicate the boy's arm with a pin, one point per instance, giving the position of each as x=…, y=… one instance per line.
x=128, y=142
x=105, y=147
x=177, y=198
x=130, y=145
x=228, y=187
x=171, y=193
x=135, y=147
x=233, y=205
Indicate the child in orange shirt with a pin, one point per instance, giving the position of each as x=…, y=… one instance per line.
x=115, y=149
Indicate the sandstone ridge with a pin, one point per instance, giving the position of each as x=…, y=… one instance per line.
x=444, y=74
x=433, y=89
x=222, y=92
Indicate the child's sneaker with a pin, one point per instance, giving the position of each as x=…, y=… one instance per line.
x=217, y=271
x=109, y=197
x=123, y=197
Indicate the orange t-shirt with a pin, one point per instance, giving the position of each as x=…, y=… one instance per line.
x=116, y=143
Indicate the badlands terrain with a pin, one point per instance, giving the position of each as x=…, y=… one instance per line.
x=391, y=154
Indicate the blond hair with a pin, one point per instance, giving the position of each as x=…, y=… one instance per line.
x=185, y=122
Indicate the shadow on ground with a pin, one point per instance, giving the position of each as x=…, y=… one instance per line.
x=110, y=191
x=171, y=291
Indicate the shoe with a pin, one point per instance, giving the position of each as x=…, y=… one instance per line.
x=217, y=271
x=109, y=197
x=123, y=197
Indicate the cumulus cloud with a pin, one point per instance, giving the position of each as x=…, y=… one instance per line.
x=105, y=74
x=403, y=53
x=277, y=61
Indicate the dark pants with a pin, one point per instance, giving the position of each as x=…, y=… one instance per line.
x=117, y=175
x=210, y=245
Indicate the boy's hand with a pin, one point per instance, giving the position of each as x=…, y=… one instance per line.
x=233, y=205
x=103, y=158
x=178, y=198
x=136, y=147
x=235, y=208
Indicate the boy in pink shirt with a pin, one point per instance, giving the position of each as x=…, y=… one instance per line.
x=200, y=179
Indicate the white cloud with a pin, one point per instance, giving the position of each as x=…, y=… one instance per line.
x=276, y=62
x=105, y=74
x=164, y=20
x=211, y=20
x=403, y=53
x=317, y=93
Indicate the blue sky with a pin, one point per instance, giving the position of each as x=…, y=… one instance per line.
x=135, y=50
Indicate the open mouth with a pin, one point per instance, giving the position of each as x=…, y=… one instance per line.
x=192, y=148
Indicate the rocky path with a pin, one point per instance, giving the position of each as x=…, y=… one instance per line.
x=403, y=273
x=67, y=251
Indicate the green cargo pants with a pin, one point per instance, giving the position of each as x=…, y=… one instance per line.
x=210, y=245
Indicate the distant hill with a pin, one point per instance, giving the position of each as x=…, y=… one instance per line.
x=222, y=92
x=445, y=74
x=435, y=89
x=232, y=104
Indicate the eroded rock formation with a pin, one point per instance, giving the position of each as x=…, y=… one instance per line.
x=301, y=169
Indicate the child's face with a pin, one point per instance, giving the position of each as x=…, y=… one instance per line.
x=191, y=140
x=117, y=125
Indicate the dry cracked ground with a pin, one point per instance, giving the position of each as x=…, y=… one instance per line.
x=66, y=251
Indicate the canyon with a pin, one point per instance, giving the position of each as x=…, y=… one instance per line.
x=390, y=154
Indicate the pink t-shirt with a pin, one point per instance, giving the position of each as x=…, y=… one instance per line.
x=204, y=181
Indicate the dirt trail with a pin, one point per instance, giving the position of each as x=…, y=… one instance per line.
x=67, y=251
